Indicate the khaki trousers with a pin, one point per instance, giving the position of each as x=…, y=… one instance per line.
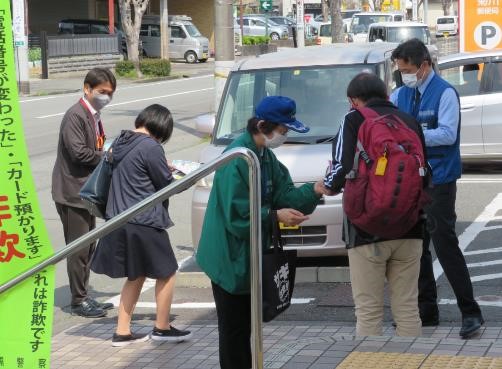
x=399, y=262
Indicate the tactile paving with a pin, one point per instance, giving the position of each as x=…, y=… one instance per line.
x=381, y=360
x=461, y=362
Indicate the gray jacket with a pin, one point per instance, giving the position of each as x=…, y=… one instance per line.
x=77, y=156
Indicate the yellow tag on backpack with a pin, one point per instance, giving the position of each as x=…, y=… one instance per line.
x=381, y=166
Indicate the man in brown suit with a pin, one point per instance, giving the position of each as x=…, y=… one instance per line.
x=80, y=147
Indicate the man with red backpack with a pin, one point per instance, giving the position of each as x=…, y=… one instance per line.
x=378, y=157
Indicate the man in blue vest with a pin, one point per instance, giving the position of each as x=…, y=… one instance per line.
x=435, y=105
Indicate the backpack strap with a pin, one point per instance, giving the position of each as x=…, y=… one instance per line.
x=368, y=113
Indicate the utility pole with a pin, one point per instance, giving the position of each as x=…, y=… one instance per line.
x=414, y=10
x=426, y=10
x=300, y=23
x=164, y=30
x=111, y=17
x=20, y=30
x=224, y=45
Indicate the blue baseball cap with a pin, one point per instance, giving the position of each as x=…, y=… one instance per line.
x=280, y=110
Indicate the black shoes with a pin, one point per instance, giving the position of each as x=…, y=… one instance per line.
x=470, y=326
x=87, y=310
x=430, y=322
x=170, y=335
x=101, y=305
x=119, y=340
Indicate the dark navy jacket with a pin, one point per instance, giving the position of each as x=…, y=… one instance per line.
x=139, y=170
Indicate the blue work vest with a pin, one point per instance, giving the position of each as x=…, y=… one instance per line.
x=444, y=160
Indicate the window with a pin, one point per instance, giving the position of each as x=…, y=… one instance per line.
x=155, y=30
x=245, y=22
x=445, y=21
x=401, y=34
x=144, y=30
x=81, y=29
x=465, y=78
x=192, y=30
x=316, y=91
x=177, y=32
x=259, y=23
x=100, y=29
x=497, y=77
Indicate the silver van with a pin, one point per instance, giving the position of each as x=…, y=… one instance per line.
x=360, y=23
x=185, y=40
x=399, y=32
x=316, y=78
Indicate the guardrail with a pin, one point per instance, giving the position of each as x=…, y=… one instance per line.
x=162, y=195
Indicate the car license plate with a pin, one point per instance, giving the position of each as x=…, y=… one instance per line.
x=284, y=226
x=446, y=34
x=204, y=55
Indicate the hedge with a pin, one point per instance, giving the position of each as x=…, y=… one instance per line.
x=255, y=40
x=149, y=67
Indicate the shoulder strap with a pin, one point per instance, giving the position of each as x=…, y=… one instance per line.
x=368, y=113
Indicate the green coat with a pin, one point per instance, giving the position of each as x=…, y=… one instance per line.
x=224, y=247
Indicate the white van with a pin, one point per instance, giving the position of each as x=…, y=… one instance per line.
x=185, y=41
x=446, y=26
x=361, y=22
x=399, y=32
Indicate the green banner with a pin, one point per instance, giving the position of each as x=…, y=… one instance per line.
x=26, y=311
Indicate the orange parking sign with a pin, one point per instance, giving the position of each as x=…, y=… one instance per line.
x=480, y=25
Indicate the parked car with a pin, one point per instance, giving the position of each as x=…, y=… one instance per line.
x=360, y=23
x=185, y=42
x=316, y=78
x=92, y=27
x=325, y=37
x=478, y=79
x=447, y=25
x=346, y=17
x=257, y=26
x=399, y=32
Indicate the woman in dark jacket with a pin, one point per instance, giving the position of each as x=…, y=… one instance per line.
x=141, y=248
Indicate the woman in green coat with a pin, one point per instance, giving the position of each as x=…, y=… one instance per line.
x=224, y=247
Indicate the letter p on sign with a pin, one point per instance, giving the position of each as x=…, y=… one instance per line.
x=487, y=35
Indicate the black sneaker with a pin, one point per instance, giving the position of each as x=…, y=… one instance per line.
x=119, y=340
x=170, y=335
x=101, y=305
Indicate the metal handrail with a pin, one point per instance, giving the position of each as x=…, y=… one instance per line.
x=162, y=195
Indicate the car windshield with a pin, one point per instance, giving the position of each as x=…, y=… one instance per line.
x=325, y=30
x=402, y=34
x=361, y=22
x=319, y=93
x=192, y=30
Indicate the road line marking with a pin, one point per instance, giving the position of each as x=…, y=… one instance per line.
x=480, y=302
x=486, y=277
x=473, y=230
x=484, y=263
x=210, y=305
x=138, y=100
x=146, y=84
x=479, y=252
x=149, y=284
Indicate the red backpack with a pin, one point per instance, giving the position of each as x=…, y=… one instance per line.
x=383, y=193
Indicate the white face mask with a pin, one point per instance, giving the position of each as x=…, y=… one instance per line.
x=99, y=101
x=276, y=140
x=411, y=80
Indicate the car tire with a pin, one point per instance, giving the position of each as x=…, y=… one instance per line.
x=202, y=60
x=274, y=36
x=190, y=57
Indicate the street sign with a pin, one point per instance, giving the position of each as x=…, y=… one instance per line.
x=480, y=25
x=266, y=5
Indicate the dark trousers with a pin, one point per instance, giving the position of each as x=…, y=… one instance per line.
x=234, y=328
x=77, y=222
x=441, y=219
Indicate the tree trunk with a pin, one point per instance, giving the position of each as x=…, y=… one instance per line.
x=325, y=10
x=446, y=4
x=336, y=21
x=131, y=13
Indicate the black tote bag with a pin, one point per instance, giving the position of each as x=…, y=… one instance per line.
x=278, y=275
x=94, y=192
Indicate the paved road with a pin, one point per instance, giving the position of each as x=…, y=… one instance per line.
x=186, y=98
x=479, y=209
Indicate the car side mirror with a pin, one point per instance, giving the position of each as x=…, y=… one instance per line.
x=205, y=123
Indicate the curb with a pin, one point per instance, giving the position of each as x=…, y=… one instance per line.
x=303, y=275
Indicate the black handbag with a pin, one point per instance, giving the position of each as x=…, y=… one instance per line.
x=94, y=192
x=278, y=275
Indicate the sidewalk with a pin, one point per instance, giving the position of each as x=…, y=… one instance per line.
x=291, y=345
x=74, y=83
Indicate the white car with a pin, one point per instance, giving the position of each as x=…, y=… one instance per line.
x=478, y=79
x=399, y=32
x=446, y=26
x=361, y=22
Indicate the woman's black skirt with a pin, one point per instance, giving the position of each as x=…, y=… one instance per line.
x=134, y=251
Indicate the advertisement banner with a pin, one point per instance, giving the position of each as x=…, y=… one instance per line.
x=480, y=25
x=26, y=311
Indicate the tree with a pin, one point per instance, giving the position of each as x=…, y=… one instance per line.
x=335, y=7
x=446, y=4
x=131, y=14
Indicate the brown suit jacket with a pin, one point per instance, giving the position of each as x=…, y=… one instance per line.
x=77, y=156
